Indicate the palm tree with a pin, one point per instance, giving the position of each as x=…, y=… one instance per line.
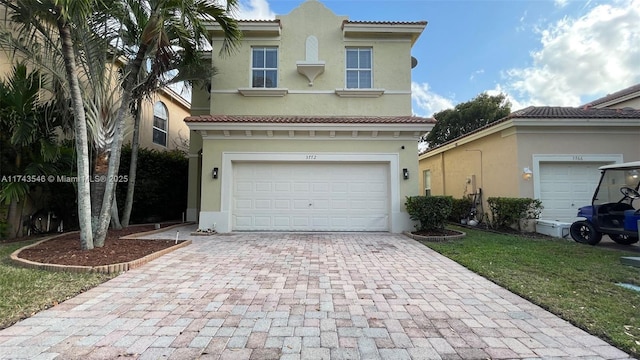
x=28, y=137
x=45, y=32
x=168, y=35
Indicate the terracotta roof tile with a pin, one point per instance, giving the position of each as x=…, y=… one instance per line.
x=618, y=94
x=559, y=112
x=289, y=119
x=385, y=22
x=554, y=112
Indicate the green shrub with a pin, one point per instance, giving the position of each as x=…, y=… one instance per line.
x=4, y=226
x=430, y=211
x=507, y=212
x=460, y=209
x=161, y=185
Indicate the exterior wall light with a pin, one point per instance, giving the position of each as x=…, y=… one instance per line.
x=634, y=173
x=405, y=173
x=214, y=173
x=527, y=174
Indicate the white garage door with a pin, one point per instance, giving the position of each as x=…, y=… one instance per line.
x=310, y=197
x=565, y=187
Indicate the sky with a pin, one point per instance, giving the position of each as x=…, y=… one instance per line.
x=536, y=52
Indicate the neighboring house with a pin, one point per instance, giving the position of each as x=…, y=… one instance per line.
x=162, y=124
x=307, y=127
x=547, y=153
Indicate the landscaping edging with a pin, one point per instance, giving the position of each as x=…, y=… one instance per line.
x=106, y=269
x=436, y=238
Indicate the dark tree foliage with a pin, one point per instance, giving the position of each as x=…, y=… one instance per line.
x=466, y=117
x=161, y=185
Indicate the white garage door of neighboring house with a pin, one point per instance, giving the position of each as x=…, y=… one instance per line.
x=310, y=196
x=565, y=187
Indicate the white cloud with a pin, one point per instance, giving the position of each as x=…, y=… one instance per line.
x=254, y=10
x=515, y=104
x=582, y=58
x=428, y=102
x=561, y=3
x=475, y=73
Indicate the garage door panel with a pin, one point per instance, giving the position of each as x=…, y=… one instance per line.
x=282, y=187
x=301, y=187
x=339, y=187
x=282, y=204
x=262, y=204
x=565, y=187
x=243, y=186
x=243, y=204
x=310, y=197
x=244, y=221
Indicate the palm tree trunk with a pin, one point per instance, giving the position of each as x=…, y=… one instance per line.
x=116, y=147
x=14, y=220
x=100, y=167
x=133, y=166
x=82, y=144
x=115, y=219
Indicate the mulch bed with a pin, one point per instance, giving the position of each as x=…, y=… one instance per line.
x=65, y=250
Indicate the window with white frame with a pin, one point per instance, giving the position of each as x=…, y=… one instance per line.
x=359, y=68
x=426, y=178
x=160, y=121
x=264, y=67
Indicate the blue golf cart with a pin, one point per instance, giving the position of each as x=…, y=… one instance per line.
x=614, y=209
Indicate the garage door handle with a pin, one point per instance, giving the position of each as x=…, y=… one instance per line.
x=309, y=204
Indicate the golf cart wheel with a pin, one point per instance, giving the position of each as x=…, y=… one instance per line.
x=623, y=239
x=584, y=233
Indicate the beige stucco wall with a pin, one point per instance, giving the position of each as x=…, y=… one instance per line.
x=178, y=131
x=505, y=154
x=391, y=71
x=492, y=161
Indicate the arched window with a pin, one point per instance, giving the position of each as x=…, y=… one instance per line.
x=160, y=121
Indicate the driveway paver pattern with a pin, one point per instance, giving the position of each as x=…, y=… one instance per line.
x=299, y=296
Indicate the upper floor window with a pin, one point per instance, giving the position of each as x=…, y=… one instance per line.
x=160, y=121
x=264, y=67
x=359, y=68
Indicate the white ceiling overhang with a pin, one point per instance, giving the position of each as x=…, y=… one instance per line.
x=310, y=131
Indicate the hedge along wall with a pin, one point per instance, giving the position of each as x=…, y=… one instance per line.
x=161, y=185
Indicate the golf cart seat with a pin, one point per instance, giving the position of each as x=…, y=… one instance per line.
x=631, y=218
x=612, y=215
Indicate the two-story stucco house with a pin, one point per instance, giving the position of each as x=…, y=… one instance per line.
x=307, y=127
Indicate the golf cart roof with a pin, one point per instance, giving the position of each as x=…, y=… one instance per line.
x=628, y=165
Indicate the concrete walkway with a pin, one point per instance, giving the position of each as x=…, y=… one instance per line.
x=299, y=296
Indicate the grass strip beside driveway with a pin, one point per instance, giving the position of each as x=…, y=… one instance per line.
x=574, y=281
x=24, y=292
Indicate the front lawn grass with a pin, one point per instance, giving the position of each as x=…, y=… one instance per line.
x=574, y=281
x=23, y=292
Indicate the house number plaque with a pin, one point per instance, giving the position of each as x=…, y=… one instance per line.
x=311, y=157
x=577, y=157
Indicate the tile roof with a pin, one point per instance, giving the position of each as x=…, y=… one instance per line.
x=554, y=112
x=385, y=22
x=618, y=94
x=289, y=119
x=560, y=112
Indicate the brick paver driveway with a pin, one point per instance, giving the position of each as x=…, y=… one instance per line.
x=299, y=296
